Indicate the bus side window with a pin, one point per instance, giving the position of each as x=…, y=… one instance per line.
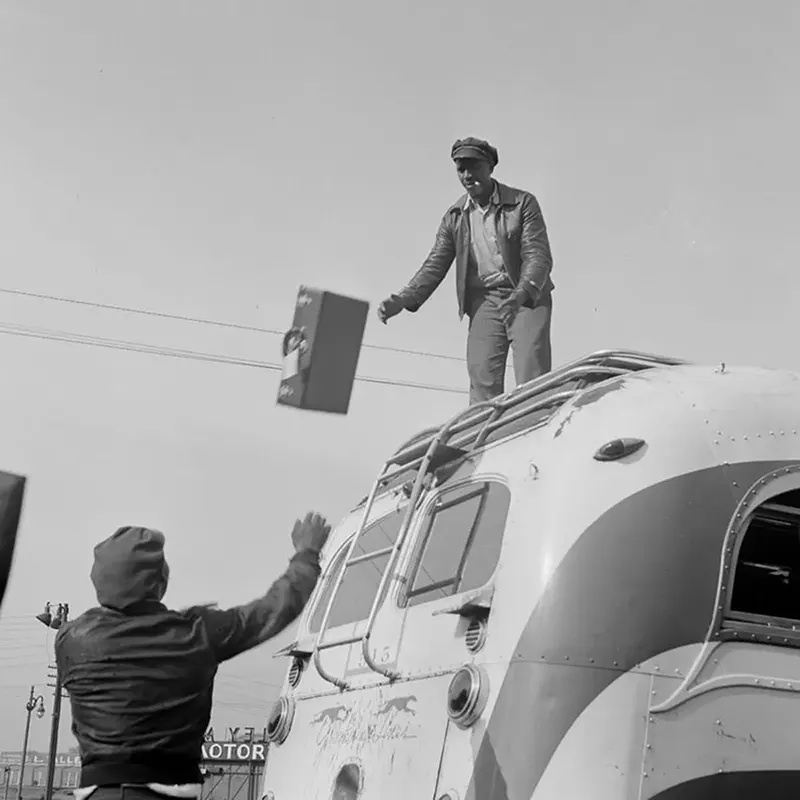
x=361, y=581
x=767, y=578
x=461, y=544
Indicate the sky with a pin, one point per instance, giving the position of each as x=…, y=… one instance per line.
x=206, y=159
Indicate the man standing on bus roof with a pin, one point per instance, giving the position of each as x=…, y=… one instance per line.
x=497, y=236
x=140, y=677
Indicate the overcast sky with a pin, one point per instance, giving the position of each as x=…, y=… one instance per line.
x=205, y=159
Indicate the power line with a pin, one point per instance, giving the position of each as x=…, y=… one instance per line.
x=202, y=321
x=69, y=337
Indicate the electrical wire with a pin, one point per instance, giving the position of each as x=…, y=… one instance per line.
x=69, y=337
x=202, y=320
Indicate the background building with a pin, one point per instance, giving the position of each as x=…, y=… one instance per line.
x=67, y=773
x=233, y=769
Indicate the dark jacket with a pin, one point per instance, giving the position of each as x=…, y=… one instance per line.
x=140, y=676
x=522, y=239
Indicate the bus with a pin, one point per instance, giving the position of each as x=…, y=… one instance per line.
x=585, y=589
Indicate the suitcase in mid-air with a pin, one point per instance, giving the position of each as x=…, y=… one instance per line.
x=320, y=351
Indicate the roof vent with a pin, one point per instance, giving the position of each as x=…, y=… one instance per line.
x=476, y=635
x=618, y=448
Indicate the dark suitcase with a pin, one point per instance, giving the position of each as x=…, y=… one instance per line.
x=320, y=351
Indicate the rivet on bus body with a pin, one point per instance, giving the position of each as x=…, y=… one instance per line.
x=736, y=483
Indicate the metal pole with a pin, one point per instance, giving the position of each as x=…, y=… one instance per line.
x=8, y=782
x=28, y=708
x=63, y=613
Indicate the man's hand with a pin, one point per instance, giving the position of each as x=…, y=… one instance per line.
x=389, y=308
x=511, y=305
x=311, y=533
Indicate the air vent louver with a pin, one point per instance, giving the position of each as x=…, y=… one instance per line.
x=476, y=635
x=295, y=671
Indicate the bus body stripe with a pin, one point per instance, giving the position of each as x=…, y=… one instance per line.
x=641, y=580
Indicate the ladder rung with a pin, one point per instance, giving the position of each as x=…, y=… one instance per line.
x=338, y=642
x=367, y=556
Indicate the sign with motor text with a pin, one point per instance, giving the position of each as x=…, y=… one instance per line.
x=234, y=751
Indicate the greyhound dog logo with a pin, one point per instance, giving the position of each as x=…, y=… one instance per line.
x=334, y=714
x=399, y=704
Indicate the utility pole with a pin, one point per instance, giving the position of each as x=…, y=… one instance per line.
x=34, y=702
x=54, y=621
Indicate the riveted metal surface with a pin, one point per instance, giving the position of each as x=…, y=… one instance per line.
x=742, y=723
x=722, y=666
x=591, y=762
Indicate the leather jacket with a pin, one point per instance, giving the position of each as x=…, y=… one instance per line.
x=140, y=680
x=522, y=239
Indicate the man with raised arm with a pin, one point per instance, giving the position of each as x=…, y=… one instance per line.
x=498, y=239
x=140, y=677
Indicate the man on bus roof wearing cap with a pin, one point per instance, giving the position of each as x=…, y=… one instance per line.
x=498, y=239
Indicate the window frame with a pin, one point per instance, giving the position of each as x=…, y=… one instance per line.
x=330, y=574
x=482, y=485
x=729, y=625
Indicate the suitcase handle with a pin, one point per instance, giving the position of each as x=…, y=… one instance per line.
x=297, y=338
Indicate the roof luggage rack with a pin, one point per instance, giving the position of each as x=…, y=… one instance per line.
x=527, y=406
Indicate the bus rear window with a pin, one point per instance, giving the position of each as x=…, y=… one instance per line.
x=360, y=583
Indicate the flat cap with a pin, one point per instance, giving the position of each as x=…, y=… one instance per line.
x=474, y=148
